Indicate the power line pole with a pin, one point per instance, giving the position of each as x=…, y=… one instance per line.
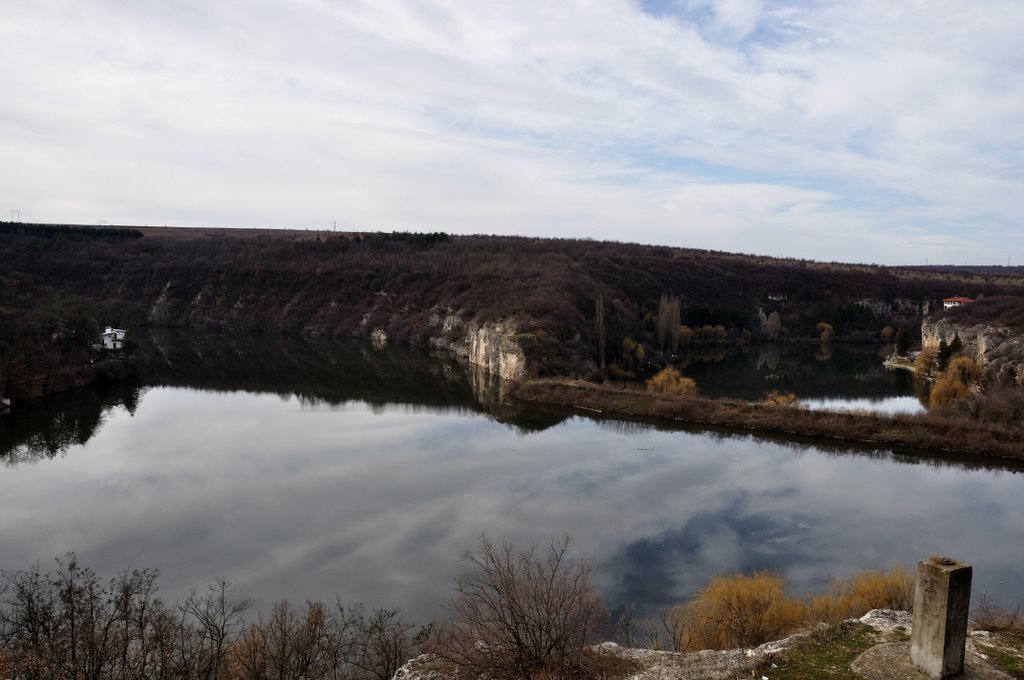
x=15, y=216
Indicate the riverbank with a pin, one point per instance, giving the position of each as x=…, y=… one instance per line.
x=922, y=431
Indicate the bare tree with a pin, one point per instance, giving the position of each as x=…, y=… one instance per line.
x=289, y=644
x=520, y=614
x=599, y=330
x=626, y=625
x=374, y=646
x=219, y=619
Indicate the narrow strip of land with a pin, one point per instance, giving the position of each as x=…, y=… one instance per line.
x=921, y=431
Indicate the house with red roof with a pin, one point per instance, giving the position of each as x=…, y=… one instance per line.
x=955, y=301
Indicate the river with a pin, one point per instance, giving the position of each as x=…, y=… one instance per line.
x=302, y=469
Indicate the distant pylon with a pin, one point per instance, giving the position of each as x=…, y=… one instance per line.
x=15, y=216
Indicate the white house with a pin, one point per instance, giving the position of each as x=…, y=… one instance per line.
x=956, y=301
x=113, y=338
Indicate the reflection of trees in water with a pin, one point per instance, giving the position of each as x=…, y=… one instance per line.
x=329, y=372
x=49, y=427
x=332, y=372
x=815, y=371
x=317, y=372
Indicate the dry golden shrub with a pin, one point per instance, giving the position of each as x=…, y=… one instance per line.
x=671, y=381
x=926, y=362
x=778, y=398
x=738, y=611
x=745, y=611
x=956, y=382
x=873, y=589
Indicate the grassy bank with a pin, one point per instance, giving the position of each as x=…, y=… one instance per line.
x=922, y=431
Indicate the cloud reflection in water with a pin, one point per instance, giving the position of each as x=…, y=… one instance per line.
x=377, y=504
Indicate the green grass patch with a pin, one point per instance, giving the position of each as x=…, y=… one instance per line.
x=1004, y=661
x=1007, y=661
x=825, y=653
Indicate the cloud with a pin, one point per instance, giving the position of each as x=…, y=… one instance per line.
x=562, y=119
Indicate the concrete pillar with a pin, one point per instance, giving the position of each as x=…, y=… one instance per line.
x=942, y=601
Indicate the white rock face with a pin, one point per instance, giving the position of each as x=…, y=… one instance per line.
x=160, y=310
x=493, y=347
x=379, y=338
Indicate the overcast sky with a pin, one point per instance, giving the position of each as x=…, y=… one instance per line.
x=887, y=131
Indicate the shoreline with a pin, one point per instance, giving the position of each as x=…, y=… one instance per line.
x=915, y=431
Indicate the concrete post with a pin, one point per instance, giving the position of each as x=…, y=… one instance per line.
x=942, y=601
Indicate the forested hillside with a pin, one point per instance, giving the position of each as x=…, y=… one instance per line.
x=418, y=287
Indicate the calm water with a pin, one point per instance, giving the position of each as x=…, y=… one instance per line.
x=837, y=376
x=305, y=469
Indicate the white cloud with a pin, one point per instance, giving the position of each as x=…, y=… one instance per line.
x=575, y=118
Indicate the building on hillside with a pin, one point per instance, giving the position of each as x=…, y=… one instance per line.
x=113, y=338
x=955, y=301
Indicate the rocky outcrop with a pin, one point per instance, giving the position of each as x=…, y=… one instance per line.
x=895, y=308
x=649, y=664
x=493, y=347
x=709, y=664
x=997, y=348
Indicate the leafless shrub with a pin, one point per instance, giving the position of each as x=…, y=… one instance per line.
x=519, y=614
x=218, y=618
x=987, y=615
x=69, y=624
x=372, y=646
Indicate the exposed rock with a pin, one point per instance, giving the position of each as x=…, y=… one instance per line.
x=709, y=664
x=882, y=661
x=896, y=308
x=888, y=620
x=997, y=348
x=492, y=346
x=160, y=312
x=379, y=338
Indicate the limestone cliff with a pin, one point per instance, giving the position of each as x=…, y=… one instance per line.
x=998, y=348
x=493, y=347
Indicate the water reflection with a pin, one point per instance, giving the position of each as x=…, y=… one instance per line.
x=813, y=372
x=888, y=405
x=301, y=482
x=45, y=428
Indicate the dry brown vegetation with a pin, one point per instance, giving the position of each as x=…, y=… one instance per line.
x=958, y=380
x=988, y=615
x=777, y=398
x=518, y=613
x=70, y=624
x=521, y=614
x=670, y=381
x=740, y=611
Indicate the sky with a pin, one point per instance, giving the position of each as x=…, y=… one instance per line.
x=855, y=130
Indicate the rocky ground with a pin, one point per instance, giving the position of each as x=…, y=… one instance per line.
x=871, y=648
